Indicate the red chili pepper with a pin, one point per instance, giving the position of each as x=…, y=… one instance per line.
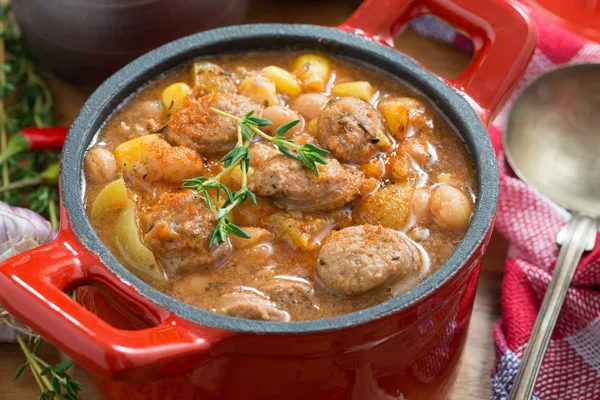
x=50, y=138
x=45, y=138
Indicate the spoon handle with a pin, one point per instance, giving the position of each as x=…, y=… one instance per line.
x=577, y=236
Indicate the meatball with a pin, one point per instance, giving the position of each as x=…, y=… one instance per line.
x=205, y=131
x=100, y=165
x=296, y=188
x=289, y=291
x=359, y=259
x=178, y=229
x=249, y=305
x=350, y=129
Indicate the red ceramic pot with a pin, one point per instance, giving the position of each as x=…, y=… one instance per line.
x=142, y=344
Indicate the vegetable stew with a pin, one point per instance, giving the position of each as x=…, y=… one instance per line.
x=279, y=186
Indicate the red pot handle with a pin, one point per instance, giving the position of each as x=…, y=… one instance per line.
x=33, y=286
x=503, y=35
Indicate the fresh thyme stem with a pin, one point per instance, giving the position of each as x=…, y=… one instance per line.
x=37, y=378
x=224, y=114
x=22, y=184
x=3, y=117
x=308, y=155
x=291, y=144
x=36, y=369
x=53, y=214
x=39, y=360
x=54, y=381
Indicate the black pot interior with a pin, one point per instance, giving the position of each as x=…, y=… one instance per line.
x=117, y=89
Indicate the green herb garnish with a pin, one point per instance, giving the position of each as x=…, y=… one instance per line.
x=54, y=381
x=307, y=154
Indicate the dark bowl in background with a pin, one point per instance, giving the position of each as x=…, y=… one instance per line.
x=85, y=41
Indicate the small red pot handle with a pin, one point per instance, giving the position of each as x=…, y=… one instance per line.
x=33, y=286
x=503, y=35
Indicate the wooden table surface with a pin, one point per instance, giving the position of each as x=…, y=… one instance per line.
x=473, y=381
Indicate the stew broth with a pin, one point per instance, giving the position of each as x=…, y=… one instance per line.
x=366, y=229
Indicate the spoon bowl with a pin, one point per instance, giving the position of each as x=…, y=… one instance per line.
x=552, y=137
x=552, y=142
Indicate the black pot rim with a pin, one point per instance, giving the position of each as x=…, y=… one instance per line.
x=129, y=79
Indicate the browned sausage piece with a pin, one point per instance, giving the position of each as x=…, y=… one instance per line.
x=296, y=188
x=204, y=131
x=358, y=259
x=249, y=305
x=350, y=128
x=288, y=291
x=261, y=153
x=178, y=228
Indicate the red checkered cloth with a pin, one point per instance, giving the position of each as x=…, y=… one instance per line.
x=530, y=223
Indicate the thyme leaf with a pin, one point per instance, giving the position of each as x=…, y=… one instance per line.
x=54, y=381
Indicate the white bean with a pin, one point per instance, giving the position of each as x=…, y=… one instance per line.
x=279, y=116
x=420, y=204
x=451, y=207
x=151, y=109
x=101, y=165
x=309, y=105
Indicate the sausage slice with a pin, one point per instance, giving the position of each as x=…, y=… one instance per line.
x=251, y=306
x=178, y=229
x=204, y=131
x=358, y=259
x=296, y=188
x=350, y=129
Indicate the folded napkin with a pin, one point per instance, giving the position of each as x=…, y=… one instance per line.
x=530, y=223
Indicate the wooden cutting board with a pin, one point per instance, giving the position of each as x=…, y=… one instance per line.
x=473, y=382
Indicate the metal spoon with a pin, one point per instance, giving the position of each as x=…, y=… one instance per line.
x=552, y=142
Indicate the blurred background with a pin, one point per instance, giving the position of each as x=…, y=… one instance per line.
x=85, y=41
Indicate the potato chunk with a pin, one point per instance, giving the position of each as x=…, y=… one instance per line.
x=175, y=97
x=400, y=112
x=361, y=89
x=136, y=255
x=304, y=232
x=112, y=197
x=151, y=158
x=285, y=82
x=313, y=71
x=389, y=206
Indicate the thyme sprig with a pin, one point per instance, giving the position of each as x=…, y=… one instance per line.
x=247, y=126
x=307, y=154
x=54, y=381
x=240, y=155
